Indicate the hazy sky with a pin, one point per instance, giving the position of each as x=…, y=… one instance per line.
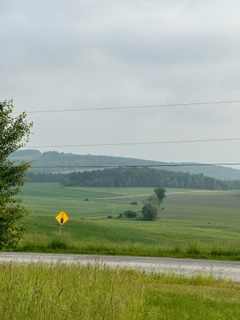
x=73, y=53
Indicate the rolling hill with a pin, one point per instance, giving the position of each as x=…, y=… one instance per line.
x=59, y=162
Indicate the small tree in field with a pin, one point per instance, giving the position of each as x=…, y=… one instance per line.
x=14, y=133
x=149, y=211
x=152, y=206
x=160, y=194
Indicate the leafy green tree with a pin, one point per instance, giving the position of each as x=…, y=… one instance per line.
x=160, y=194
x=149, y=211
x=152, y=206
x=15, y=131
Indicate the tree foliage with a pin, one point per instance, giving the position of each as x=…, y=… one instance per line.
x=160, y=194
x=152, y=205
x=135, y=177
x=15, y=132
x=149, y=211
x=129, y=214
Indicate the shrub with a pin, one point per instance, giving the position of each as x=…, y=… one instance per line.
x=57, y=244
x=130, y=214
x=149, y=212
x=134, y=203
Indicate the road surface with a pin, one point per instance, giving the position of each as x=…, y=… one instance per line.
x=186, y=267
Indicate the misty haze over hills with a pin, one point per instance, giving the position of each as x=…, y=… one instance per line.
x=56, y=162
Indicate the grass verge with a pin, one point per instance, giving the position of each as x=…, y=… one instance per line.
x=192, y=250
x=70, y=292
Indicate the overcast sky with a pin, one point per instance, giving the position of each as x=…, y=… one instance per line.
x=74, y=53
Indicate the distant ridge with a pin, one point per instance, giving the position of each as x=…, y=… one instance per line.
x=48, y=162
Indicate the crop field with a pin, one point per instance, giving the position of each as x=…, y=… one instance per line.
x=71, y=292
x=193, y=223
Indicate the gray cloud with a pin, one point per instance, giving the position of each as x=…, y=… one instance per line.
x=71, y=53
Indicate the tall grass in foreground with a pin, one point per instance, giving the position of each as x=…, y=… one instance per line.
x=90, y=293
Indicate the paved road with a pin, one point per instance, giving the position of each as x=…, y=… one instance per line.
x=188, y=267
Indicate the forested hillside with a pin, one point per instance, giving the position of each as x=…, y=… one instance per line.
x=135, y=177
x=59, y=162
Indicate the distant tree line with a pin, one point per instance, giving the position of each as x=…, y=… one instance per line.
x=135, y=177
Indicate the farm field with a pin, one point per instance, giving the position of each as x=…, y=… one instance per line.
x=192, y=224
x=72, y=292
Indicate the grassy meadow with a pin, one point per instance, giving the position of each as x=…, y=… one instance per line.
x=93, y=293
x=192, y=224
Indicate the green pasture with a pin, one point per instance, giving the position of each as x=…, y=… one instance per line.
x=194, y=222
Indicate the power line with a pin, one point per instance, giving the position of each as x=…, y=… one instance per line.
x=157, y=165
x=136, y=107
x=135, y=143
x=139, y=165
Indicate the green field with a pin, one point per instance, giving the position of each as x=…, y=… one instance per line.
x=193, y=223
x=92, y=293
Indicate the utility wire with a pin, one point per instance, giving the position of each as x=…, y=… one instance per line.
x=139, y=165
x=136, y=107
x=230, y=164
x=135, y=143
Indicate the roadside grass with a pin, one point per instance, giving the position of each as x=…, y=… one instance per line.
x=191, y=250
x=55, y=292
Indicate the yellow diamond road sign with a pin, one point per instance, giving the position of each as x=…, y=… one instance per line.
x=62, y=217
